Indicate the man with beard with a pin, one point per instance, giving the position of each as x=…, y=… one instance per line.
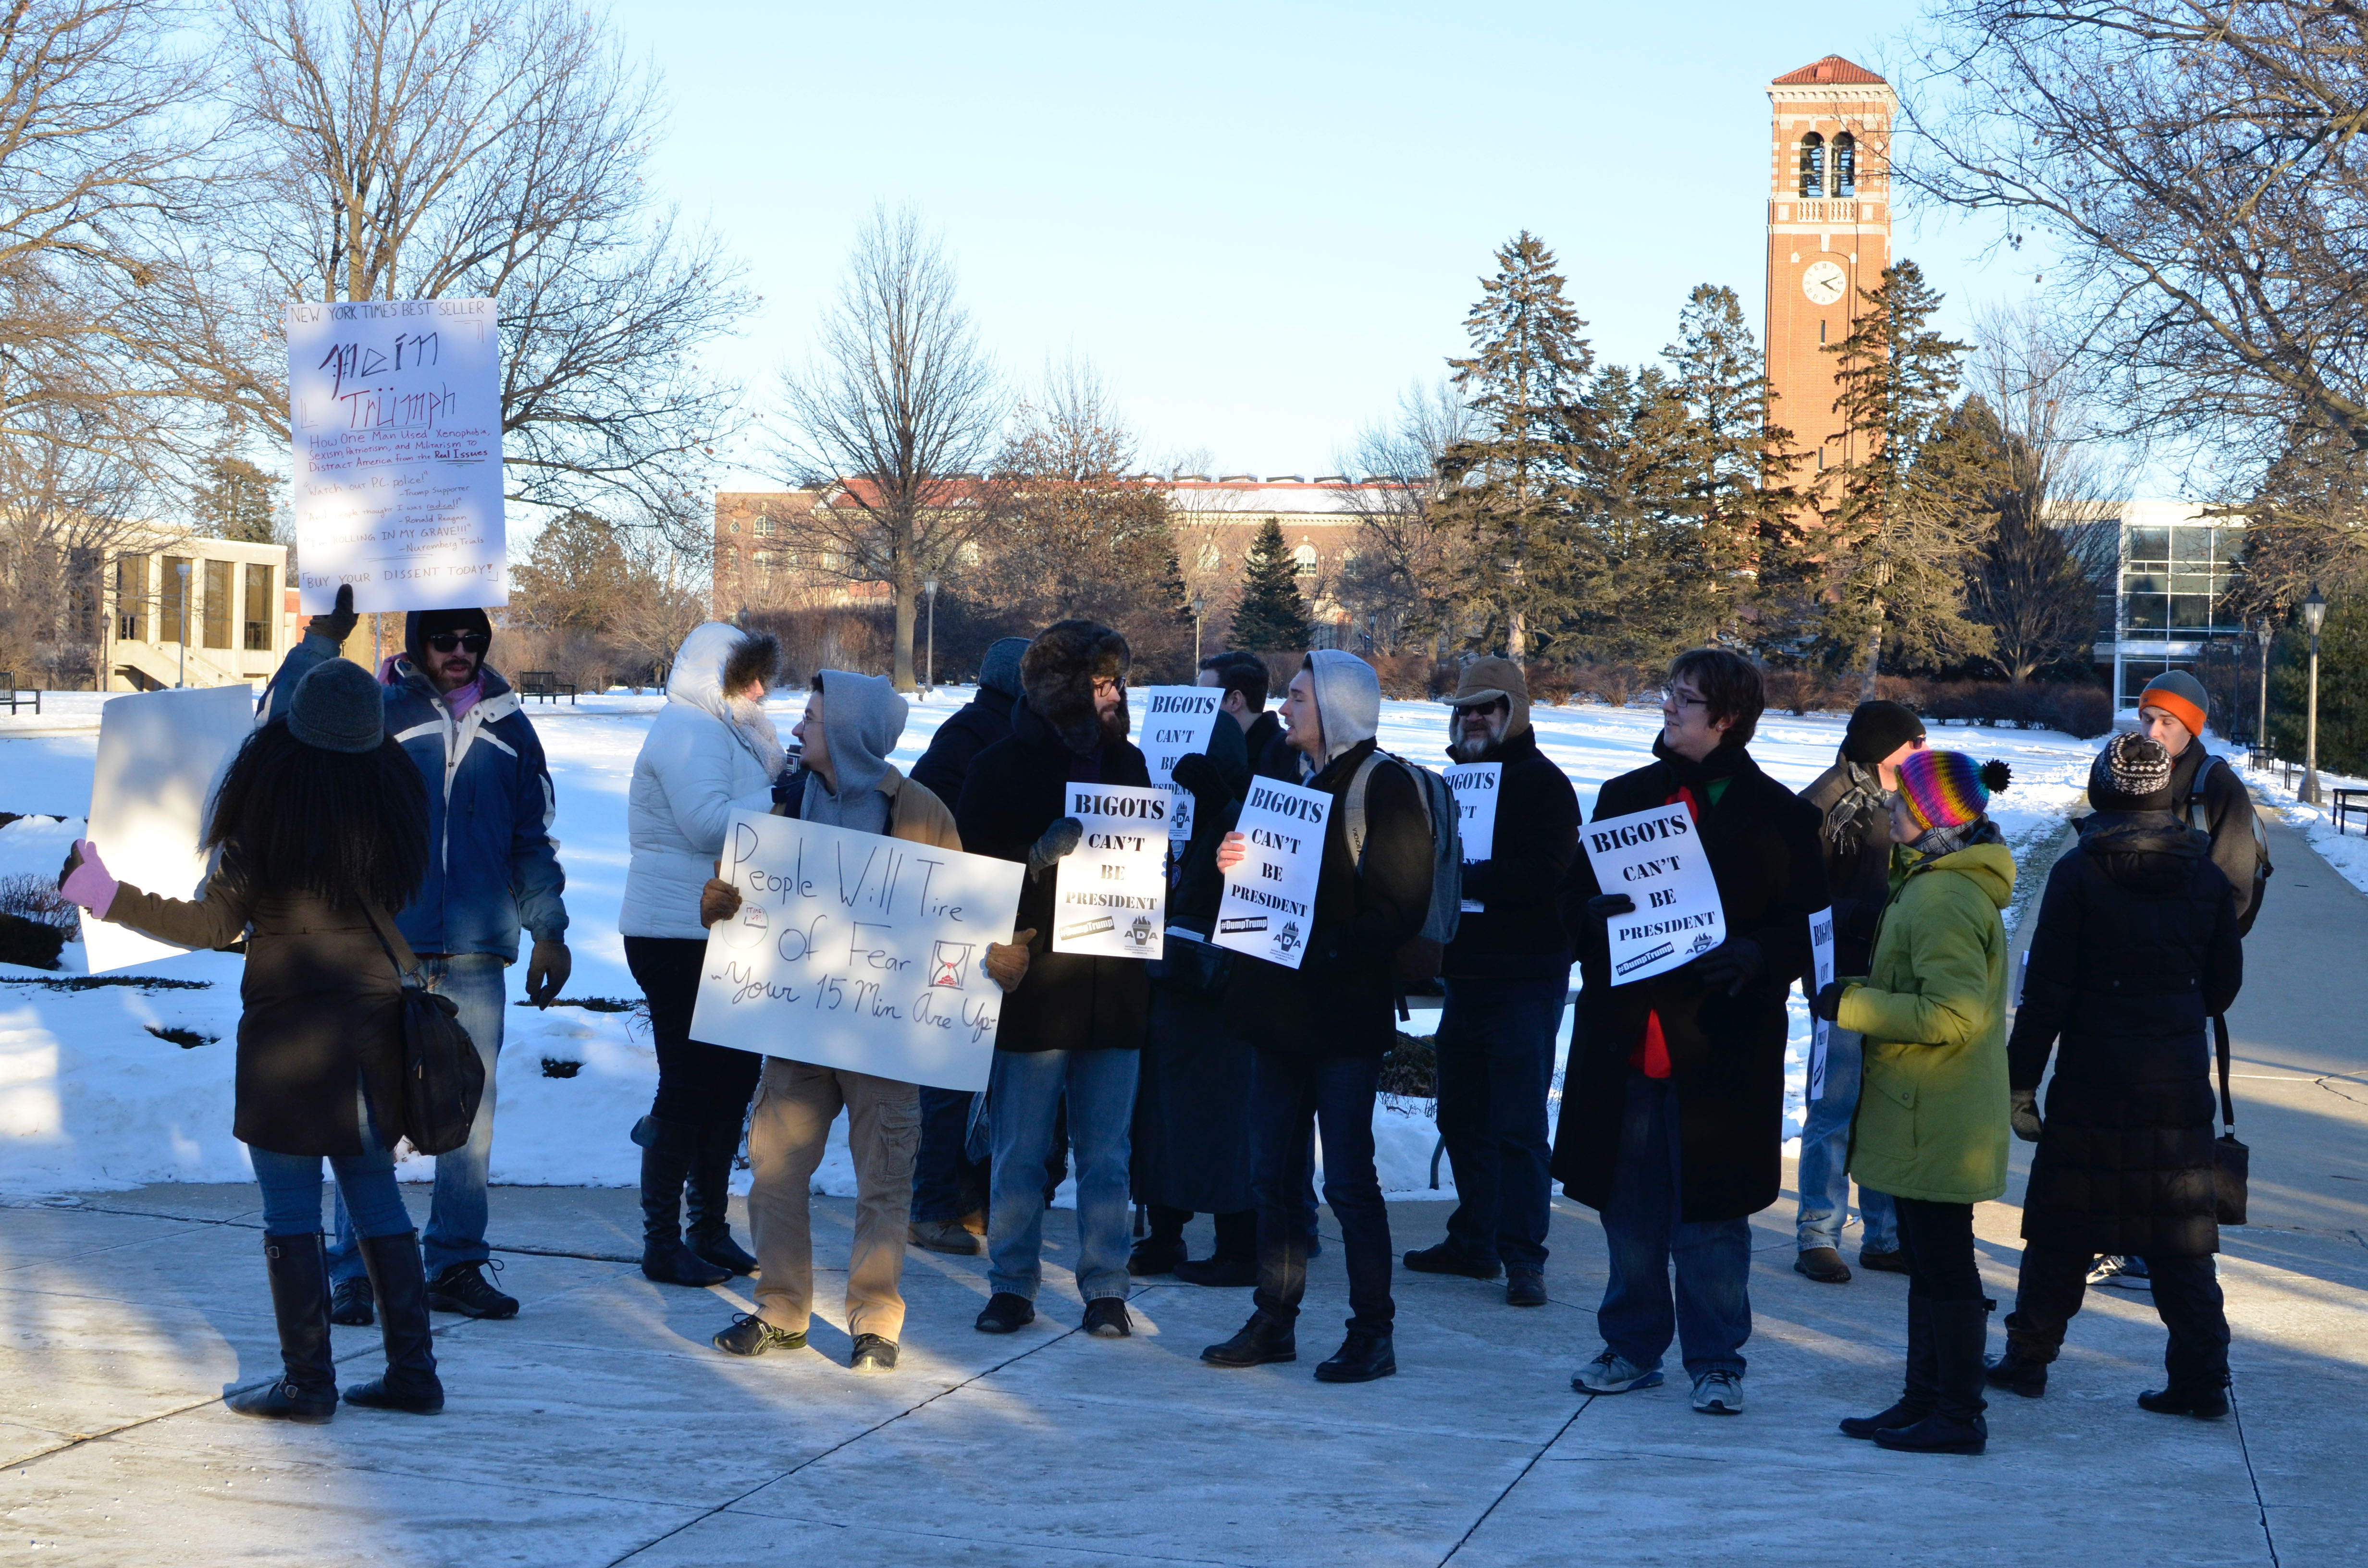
x=1076, y=1022
x=1673, y=1107
x=495, y=867
x=1506, y=975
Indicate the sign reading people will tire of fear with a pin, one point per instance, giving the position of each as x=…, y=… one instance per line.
x=1474, y=785
x=394, y=409
x=1176, y=721
x=1110, y=898
x=854, y=950
x=1269, y=899
x=1656, y=857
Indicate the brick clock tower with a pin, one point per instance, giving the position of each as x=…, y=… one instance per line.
x=1829, y=239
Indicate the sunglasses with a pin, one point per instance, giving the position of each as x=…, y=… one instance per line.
x=446, y=642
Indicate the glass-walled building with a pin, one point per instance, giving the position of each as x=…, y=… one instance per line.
x=2172, y=599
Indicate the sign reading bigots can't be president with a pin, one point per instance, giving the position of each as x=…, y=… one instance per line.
x=1175, y=722
x=1656, y=857
x=1269, y=900
x=1474, y=785
x=1110, y=898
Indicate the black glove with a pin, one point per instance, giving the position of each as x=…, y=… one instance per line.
x=1604, y=905
x=1830, y=999
x=1735, y=963
x=339, y=623
x=790, y=785
x=1198, y=777
x=1056, y=841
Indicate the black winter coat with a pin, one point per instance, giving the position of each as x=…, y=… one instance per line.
x=1271, y=757
x=1339, y=1001
x=1858, y=871
x=1517, y=933
x=1727, y=1053
x=2226, y=813
x=323, y=1010
x=1069, y=1001
x=978, y=724
x=2137, y=948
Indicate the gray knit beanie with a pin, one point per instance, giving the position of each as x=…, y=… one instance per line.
x=338, y=707
x=2132, y=774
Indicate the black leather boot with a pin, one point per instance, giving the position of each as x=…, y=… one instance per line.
x=307, y=1387
x=709, y=1199
x=1263, y=1340
x=668, y=1149
x=2023, y=1368
x=1955, y=1427
x=1233, y=1264
x=1163, y=1249
x=1365, y=1355
x=1922, y=1391
x=401, y=1285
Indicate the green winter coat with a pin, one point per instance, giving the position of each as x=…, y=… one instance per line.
x=1932, y=1105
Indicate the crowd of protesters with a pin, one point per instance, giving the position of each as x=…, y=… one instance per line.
x=1197, y=1084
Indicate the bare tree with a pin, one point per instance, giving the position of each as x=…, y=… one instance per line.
x=2197, y=168
x=900, y=407
x=66, y=508
x=1397, y=580
x=416, y=149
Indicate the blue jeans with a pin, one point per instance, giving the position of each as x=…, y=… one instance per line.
x=1825, y=1158
x=945, y=1181
x=1496, y=1050
x=1023, y=1097
x=456, y=1215
x=291, y=1189
x=1291, y=1096
x=1643, y=1231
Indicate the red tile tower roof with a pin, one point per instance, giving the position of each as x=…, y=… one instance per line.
x=1832, y=68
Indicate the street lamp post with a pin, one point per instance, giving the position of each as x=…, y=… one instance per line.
x=2261, y=714
x=182, y=569
x=2313, y=613
x=1199, y=608
x=930, y=588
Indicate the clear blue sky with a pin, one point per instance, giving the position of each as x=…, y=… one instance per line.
x=1260, y=221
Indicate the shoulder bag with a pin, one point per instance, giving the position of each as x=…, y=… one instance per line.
x=443, y=1076
x=2231, y=1161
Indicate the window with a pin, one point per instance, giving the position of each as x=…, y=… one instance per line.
x=764, y=523
x=1845, y=165
x=217, y=603
x=258, y=608
x=131, y=623
x=1305, y=556
x=173, y=608
x=1813, y=165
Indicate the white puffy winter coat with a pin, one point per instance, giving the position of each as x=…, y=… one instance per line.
x=694, y=770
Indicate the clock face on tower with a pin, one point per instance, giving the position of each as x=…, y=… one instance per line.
x=1822, y=282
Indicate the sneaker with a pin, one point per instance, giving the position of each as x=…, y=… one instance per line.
x=1823, y=1265
x=1883, y=1260
x=464, y=1288
x=1524, y=1287
x=351, y=1303
x=2121, y=1274
x=752, y=1336
x=1449, y=1258
x=1106, y=1318
x=1006, y=1313
x=1613, y=1373
x=1719, y=1393
x=874, y=1353
x=944, y=1236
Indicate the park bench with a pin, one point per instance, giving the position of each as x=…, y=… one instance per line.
x=546, y=685
x=9, y=694
x=2350, y=802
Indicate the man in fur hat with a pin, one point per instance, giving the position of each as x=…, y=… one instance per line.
x=1077, y=1023
x=495, y=869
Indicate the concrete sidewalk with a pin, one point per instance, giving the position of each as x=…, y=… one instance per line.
x=598, y=1427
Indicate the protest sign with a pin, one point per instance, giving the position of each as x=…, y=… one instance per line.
x=1110, y=897
x=1656, y=857
x=395, y=429
x=1269, y=898
x=160, y=756
x=1821, y=946
x=1176, y=722
x=1475, y=784
x=856, y=951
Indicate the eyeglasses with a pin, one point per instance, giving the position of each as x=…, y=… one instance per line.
x=1672, y=697
x=1109, y=682
x=446, y=642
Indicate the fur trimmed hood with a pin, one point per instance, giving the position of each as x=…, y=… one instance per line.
x=1057, y=675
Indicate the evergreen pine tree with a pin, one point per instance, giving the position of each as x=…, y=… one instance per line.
x=1733, y=462
x=1271, y=617
x=238, y=503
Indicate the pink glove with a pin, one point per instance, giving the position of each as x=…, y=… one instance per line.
x=85, y=880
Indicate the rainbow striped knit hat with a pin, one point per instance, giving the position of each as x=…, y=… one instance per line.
x=1947, y=788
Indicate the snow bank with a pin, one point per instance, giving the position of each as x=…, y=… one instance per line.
x=91, y=1098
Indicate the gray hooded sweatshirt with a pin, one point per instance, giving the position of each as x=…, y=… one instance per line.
x=862, y=719
x=1348, y=700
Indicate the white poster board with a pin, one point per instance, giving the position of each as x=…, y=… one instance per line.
x=1475, y=784
x=1821, y=947
x=1110, y=898
x=394, y=409
x=856, y=951
x=1656, y=857
x=1176, y=721
x=160, y=756
x=1269, y=900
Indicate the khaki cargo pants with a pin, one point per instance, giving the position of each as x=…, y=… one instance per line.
x=796, y=1103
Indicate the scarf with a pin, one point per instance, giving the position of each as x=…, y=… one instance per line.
x=1940, y=841
x=1849, y=820
x=755, y=727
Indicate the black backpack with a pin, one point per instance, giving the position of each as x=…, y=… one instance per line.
x=2261, y=867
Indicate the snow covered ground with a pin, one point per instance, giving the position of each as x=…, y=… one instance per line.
x=91, y=1096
